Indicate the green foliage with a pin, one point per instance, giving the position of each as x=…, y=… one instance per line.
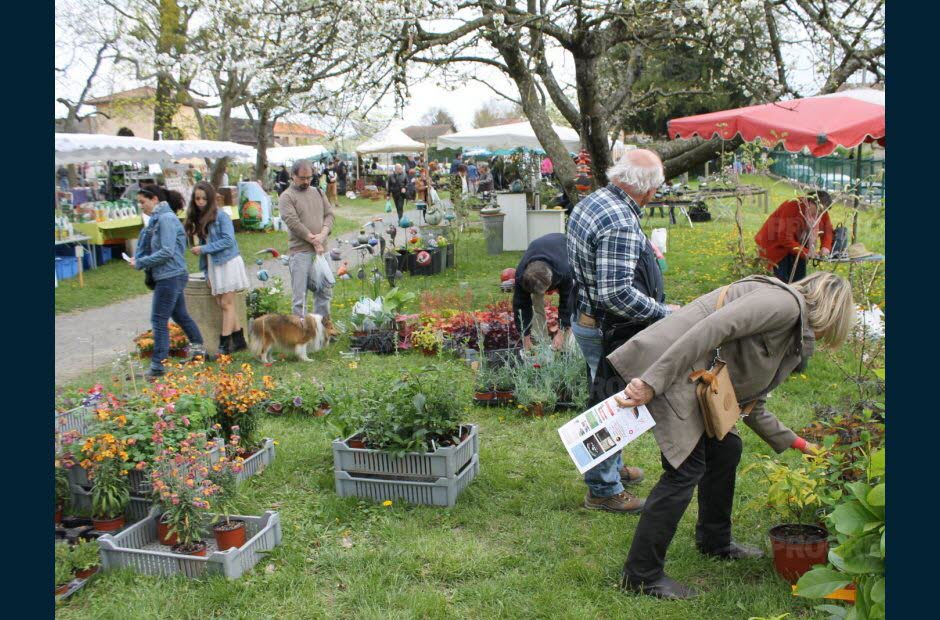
x=795, y=494
x=110, y=494
x=84, y=555
x=63, y=493
x=63, y=564
x=410, y=412
x=267, y=300
x=859, y=521
x=300, y=395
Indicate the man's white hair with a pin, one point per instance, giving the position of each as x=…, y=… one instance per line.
x=639, y=169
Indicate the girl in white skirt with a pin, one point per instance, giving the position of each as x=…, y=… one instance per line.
x=219, y=258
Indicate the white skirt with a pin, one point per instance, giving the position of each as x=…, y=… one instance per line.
x=228, y=277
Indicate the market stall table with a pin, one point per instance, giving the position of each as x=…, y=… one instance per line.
x=114, y=231
x=83, y=240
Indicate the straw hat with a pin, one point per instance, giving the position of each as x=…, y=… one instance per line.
x=857, y=250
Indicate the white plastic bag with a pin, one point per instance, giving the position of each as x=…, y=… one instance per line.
x=435, y=199
x=322, y=274
x=658, y=238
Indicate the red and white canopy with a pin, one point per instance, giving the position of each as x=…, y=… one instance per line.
x=819, y=124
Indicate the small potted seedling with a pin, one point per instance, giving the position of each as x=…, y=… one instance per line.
x=63, y=568
x=85, y=558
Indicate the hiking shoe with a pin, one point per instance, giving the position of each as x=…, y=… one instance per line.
x=631, y=475
x=665, y=588
x=621, y=502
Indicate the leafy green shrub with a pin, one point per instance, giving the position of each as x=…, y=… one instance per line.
x=84, y=555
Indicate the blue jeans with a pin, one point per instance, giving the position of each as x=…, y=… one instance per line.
x=591, y=342
x=169, y=303
x=604, y=479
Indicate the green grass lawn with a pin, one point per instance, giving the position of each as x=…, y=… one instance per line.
x=518, y=543
x=115, y=281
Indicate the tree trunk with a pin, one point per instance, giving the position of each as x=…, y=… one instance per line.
x=167, y=101
x=565, y=170
x=680, y=156
x=261, y=163
x=593, y=128
x=225, y=129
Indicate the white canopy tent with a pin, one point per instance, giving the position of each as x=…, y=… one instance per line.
x=390, y=140
x=290, y=154
x=208, y=148
x=514, y=135
x=76, y=148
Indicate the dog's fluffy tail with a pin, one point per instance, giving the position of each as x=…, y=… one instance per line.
x=255, y=339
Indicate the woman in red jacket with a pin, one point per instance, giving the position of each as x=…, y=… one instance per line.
x=792, y=233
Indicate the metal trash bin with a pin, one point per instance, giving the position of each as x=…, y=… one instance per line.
x=493, y=232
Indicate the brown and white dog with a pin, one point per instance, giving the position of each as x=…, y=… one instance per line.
x=285, y=331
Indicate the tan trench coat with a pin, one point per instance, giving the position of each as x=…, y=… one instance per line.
x=764, y=336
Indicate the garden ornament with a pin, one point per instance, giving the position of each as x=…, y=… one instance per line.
x=404, y=222
x=362, y=238
x=285, y=260
x=335, y=254
x=423, y=258
x=274, y=253
x=263, y=275
x=259, y=262
x=433, y=216
x=391, y=268
x=343, y=269
x=373, y=241
x=361, y=274
x=391, y=230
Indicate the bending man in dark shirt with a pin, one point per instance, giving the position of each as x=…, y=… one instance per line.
x=543, y=267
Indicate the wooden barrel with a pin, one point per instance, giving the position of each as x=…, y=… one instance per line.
x=205, y=310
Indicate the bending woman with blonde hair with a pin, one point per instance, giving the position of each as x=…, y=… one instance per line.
x=764, y=330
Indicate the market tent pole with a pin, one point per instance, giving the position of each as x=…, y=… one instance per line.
x=858, y=189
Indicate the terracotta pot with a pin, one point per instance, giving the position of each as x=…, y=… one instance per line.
x=199, y=549
x=505, y=394
x=108, y=525
x=484, y=395
x=61, y=589
x=797, y=548
x=228, y=538
x=163, y=534
x=535, y=410
x=356, y=443
x=88, y=572
x=58, y=515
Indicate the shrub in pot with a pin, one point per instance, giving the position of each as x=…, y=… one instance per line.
x=110, y=495
x=859, y=558
x=63, y=568
x=63, y=492
x=799, y=495
x=85, y=558
x=228, y=532
x=183, y=486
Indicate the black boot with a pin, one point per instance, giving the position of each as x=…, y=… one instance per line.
x=238, y=341
x=225, y=345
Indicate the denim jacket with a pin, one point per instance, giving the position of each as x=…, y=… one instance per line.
x=162, y=245
x=221, y=243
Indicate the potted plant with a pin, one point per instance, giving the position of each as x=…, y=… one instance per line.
x=856, y=566
x=797, y=494
x=110, y=495
x=183, y=486
x=503, y=383
x=228, y=532
x=63, y=568
x=485, y=390
x=85, y=558
x=63, y=492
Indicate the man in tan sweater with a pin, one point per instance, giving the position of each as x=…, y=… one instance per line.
x=309, y=217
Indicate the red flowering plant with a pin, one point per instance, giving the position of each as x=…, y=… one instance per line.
x=184, y=488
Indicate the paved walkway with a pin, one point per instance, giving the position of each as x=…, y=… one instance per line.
x=94, y=338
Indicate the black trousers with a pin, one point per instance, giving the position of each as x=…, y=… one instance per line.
x=785, y=267
x=608, y=381
x=399, y=199
x=711, y=467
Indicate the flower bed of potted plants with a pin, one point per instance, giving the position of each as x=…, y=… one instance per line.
x=402, y=438
x=298, y=395
x=373, y=321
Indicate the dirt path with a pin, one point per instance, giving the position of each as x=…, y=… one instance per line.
x=93, y=338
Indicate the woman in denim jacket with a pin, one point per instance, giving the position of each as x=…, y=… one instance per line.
x=219, y=258
x=161, y=248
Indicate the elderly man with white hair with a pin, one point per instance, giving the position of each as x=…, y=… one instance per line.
x=620, y=292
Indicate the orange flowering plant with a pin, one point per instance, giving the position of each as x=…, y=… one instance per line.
x=178, y=339
x=185, y=490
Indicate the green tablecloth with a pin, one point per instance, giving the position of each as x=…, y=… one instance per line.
x=125, y=228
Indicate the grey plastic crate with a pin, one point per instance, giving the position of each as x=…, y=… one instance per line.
x=442, y=492
x=72, y=420
x=137, y=509
x=442, y=463
x=137, y=548
x=256, y=463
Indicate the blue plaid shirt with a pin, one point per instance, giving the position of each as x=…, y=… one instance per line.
x=605, y=242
